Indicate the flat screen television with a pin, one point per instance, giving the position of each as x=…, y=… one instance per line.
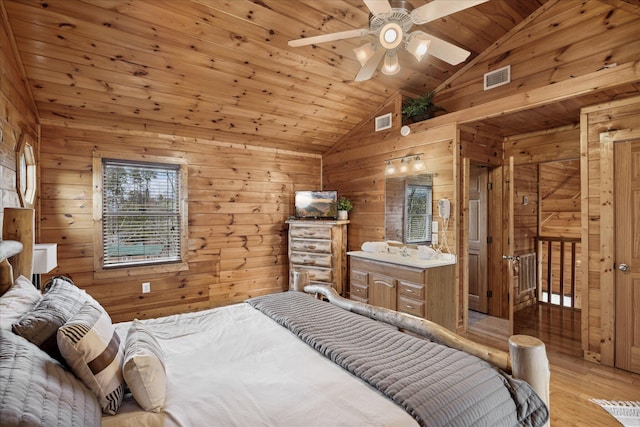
x=316, y=204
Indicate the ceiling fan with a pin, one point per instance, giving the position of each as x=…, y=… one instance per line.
x=390, y=21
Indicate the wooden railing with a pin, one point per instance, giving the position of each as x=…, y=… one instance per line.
x=558, y=278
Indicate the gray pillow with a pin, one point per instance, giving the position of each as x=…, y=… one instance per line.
x=60, y=303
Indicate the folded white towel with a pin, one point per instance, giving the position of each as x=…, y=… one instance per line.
x=375, y=247
x=425, y=252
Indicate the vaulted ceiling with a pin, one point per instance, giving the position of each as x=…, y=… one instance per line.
x=222, y=70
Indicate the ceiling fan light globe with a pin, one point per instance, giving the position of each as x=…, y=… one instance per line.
x=418, y=44
x=390, y=35
x=391, y=65
x=364, y=53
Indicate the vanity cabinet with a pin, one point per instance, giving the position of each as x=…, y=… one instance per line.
x=318, y=247
x=423, y=292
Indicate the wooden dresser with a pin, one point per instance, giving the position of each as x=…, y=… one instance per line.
x=319, y=247
x=423, y=292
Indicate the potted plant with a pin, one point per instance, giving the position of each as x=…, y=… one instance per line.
x=344, y=206
x=420, y=108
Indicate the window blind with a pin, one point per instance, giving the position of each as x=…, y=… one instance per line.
x=140, y=213
x=419, y=216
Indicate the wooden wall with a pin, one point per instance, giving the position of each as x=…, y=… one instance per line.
x=239, y=198
x=558, y=42
x=18, y=115
x=598, y=315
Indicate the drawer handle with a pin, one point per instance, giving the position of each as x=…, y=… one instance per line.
x=408, y=290
x=382, y=282
x=359, y=290
x=409, y=306
x=310, y=247
x=309, y=262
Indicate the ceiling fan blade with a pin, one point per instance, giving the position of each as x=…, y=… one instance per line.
x=439, y=8
x=446, y=51
x=378, y=7
x=367, y=70
x=329, y=37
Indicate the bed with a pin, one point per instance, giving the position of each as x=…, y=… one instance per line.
x=284, y=359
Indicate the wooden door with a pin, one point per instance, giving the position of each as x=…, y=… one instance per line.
x=478, y=179
x=509, y=245
x=627, y=254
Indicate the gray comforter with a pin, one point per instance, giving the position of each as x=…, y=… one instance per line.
x=437, y=385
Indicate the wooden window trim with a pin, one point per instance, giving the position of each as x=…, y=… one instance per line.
x=101, y=273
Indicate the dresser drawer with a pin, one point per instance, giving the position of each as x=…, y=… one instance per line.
x=359, y=277
x=410, y=306
x=311, y=232
x=316, y=246
x=316, y=274
x=410, y=289
x=359, y=291
x=305, y=258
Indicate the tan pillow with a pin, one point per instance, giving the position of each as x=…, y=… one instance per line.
x=144, y=369
x=90, y=346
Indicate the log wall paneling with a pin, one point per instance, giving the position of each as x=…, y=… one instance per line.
x=239, y=199
x=598, y=323
x=18, y=117
x=546, y=50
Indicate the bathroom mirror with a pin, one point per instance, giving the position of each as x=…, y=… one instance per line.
x=408, y=208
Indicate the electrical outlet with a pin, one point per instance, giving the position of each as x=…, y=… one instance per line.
x=146, y=287
x=434, y=226
x=434, y=238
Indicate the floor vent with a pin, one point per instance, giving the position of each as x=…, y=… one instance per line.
x=383, y=122
x=496, y=78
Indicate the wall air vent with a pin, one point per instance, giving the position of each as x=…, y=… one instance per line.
x=496, y=78
x=383, y=122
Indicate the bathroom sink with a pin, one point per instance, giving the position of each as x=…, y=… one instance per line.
x=410, y=260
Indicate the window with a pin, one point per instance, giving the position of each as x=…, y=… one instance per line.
x=418, y=213
x=142, y=211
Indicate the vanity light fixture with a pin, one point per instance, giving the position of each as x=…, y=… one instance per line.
x=417, y=165
x=404, y=167
x=408, y=164
x=390, y=169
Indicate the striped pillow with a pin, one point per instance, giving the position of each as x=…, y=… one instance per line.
x=144, y=369
x=89, y=344
x=61, y=301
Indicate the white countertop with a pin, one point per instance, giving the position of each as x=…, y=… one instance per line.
x=409, y=261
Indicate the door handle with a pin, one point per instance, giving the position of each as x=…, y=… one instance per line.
x=511, y=257
x=624, y=267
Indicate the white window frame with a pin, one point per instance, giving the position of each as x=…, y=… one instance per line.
x=139, y=267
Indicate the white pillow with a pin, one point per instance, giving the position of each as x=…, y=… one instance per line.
x=144, y=369
x=90, y=346
x=21, y=297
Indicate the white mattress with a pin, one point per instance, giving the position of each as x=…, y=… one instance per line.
x=234, y=366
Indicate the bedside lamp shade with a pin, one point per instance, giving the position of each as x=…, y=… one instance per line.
x=45, y=257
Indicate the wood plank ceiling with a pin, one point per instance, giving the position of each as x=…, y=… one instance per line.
x=222, y=70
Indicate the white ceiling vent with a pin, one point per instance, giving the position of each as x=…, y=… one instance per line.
x=496, y=78
x=383, y=122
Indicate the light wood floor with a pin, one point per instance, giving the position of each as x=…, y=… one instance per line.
x=573, y=380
